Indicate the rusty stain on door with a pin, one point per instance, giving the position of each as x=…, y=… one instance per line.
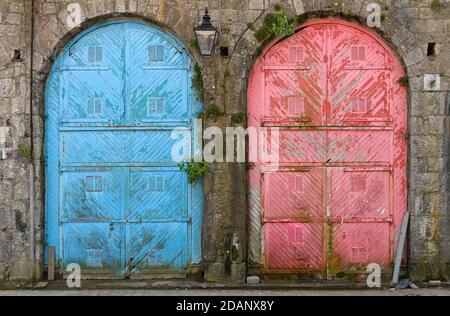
x=336, y=203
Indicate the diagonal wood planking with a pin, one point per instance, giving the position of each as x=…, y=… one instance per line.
x=349, y=130
x=102, y=135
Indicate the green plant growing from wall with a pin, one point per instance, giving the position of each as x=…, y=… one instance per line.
x=384, y=13
x=281, y=24
x=226, y=30
x=436, y=5
x=194, y=170
x=212, y=112
x=275, y=24
x=194, y=45
x=25, y=152
x=404, y=81
x=300, y=19
x=278, y=7
x=265, y=32
x=238, y=118
x=197, y=83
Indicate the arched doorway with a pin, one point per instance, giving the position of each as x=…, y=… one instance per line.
x=336, y=202
x=116, y=202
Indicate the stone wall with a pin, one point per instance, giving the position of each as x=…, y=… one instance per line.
x=408, y=27
x=15, y=27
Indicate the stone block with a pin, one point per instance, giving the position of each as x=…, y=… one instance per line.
x=7, y=88
x=5, y=245
x=238, y=272
x=253, y=280
x=215, y=272
x=256, y=4
x=12, y=18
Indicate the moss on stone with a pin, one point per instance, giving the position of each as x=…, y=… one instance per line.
x=25, y=152
x=404, y=81
x=436, y=5
x=238, y=118
x=212, y=112
x=197, y=83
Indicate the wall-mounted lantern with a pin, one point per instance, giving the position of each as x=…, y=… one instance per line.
x=206, y=35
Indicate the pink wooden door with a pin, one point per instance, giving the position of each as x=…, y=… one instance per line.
x=337, y=200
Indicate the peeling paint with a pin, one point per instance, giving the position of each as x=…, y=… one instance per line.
x=337, y=214
x=117, y=203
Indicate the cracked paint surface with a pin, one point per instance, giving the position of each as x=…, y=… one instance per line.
x=339, y=197
x=117, y=204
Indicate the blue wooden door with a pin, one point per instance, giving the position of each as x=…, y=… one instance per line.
x=116, y=202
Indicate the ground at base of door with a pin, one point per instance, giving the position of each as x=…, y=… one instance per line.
x=229, y=293
x=178, y=285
